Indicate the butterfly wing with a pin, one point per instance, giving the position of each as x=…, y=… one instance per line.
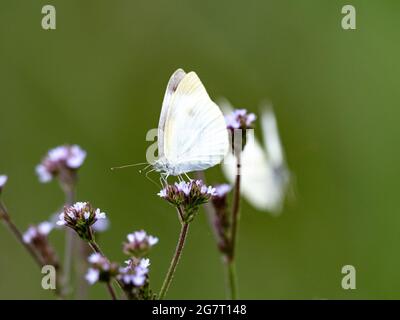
x=195, y=134
x=276, y=156
x=261, y=186
x=257, y=181
x=173, y=83
x=225, y=106
x=271, y=137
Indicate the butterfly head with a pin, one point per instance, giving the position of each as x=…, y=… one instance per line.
x=163, y=166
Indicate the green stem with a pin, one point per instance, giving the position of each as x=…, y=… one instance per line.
x=70, y=239
x=175, y=260
x=231, y=281
x=81, y=267
x=111, y=291
x=235, y=211
x=234, y=231
x=95, y=247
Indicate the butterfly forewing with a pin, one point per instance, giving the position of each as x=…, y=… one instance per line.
x=195, y=134
x=173, y=83
x=271, y=137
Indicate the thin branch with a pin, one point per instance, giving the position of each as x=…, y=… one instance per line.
x=18, y=234
x=230, y=258
x=235, y=208
x=70, y=239
x=5, y=216
x=175, y=260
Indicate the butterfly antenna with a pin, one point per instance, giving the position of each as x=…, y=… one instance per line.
x=129, y=165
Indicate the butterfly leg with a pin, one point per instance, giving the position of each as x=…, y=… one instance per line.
x=163, y=179
x=188, y=177
x=145, y=168
x=147, y=176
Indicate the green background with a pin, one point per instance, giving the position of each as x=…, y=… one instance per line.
x=98, y=80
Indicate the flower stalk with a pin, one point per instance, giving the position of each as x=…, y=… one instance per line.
x=70, y=238
x=186, y=197
x=18, y=234
x=63, y=163
x=175, y=259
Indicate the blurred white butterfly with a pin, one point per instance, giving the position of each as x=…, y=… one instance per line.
x=192, y=133
x=264, y=174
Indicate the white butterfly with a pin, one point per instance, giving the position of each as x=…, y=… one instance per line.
x=264, y=174
x=192, y=132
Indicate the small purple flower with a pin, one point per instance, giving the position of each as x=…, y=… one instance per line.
x=162, y=193
x=237, y=123
x=240, y=119
x=135, y=273
x=92, y=275
x=187, y=196
x=100, y=269
x=80, y=217
x=60, y=161
x=101, y=225
x=222, y=190
x=37, y=237
x=35, y=232
x=183, y=187
x=139, y=243
x=3, y=181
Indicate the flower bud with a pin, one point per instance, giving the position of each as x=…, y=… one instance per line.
x=135, y=273
x=61, y=162
x=37, y=237
x=187, y=196
x=139, y=243
x=100, y=269
x=80, y=217
x=238, y=122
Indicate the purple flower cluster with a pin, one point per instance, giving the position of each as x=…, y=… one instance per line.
x=80, y=217
x=240, y=119
x=100, y=269
x=187, y=196
x=37, y=237
x=58, y=160
x=36, y=233
x=135, y=273
x=139, y=243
